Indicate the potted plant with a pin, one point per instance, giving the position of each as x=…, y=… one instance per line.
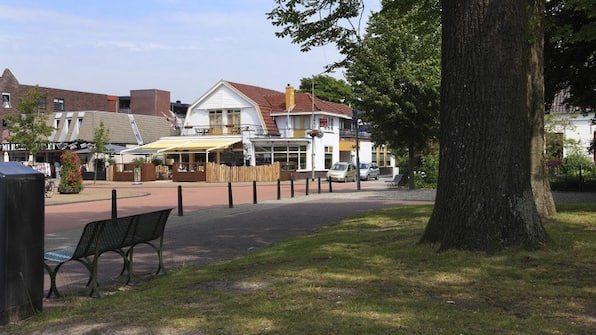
x=71, y=181
x=138, y=163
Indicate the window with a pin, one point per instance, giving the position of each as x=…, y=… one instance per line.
x=42, y=103
x=5, y=100
x=58, y=104
x=328, y=157
x=286, y=155
x=302, y=122
x=233, y=116
x=215, y=122
x=381, y=155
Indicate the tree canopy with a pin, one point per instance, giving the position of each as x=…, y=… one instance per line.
x=327, y=88
x=101, y=137
x=29, y=128
x=396, y=75
x=570, y=51
x=316, y=23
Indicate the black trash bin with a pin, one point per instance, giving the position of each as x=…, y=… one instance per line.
x=21, y=241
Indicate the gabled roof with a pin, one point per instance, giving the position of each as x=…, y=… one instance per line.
x=272, y=102
x=259, y=96
x=304, y=103
x=150, y=127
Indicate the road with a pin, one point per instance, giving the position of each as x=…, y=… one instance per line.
x=67, y=212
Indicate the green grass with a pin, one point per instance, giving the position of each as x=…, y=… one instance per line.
x=366, y=275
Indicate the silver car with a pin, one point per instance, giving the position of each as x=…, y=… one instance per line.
x=342, y=171
x=369, y=170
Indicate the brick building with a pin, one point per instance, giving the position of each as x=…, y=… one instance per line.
x=76, y=109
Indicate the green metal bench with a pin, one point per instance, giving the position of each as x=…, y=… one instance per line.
x=149, y=230
x=114, y=235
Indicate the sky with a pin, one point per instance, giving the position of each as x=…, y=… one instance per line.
x=181, y=46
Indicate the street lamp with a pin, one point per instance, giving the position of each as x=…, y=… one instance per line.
x=355, y=122
x=312, y=134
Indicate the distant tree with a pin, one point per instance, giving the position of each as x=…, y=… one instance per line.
x=30, y=127
x=101, y=137
x=396, y=75
x=327, y=88
x=570, y=51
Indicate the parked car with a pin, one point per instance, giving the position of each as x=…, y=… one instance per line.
x=369, y=170
x=342, y=171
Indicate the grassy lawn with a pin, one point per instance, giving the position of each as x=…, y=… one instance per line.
x=366, y=275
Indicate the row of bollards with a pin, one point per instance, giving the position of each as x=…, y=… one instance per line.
x=230, y=195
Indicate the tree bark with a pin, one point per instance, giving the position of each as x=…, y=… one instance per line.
x=484, y=198
x=543, y=197
x=411, y=165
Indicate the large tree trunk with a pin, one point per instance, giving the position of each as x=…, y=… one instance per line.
x=543, y=196
x=484, y=198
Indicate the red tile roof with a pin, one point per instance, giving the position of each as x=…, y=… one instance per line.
x=271, y=101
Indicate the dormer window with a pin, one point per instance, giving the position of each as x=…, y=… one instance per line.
x=5, y=100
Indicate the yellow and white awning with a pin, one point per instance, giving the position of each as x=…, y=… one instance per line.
x=189, y=144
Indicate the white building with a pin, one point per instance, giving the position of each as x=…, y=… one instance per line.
x=576, y=125
x=238, y=124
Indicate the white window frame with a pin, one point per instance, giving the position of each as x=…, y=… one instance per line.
x=5, y=100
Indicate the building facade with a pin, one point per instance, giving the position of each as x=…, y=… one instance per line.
x=239, y=124
x=131, y=120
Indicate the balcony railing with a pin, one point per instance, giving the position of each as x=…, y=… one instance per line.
x=205, y=130
x=352, y=133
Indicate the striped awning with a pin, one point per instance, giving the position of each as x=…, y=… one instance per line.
x=188, y=144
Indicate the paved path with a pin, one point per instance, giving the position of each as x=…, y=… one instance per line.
x=209, y=231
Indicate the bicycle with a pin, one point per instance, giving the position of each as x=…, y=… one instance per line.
x=49, y=187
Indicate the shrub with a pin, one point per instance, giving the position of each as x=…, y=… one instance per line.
x=571, y=165
x=71, y=179
x=428, y=175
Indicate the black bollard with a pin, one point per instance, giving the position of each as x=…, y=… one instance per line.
x=230, y=201
x=292, y=187
x=278, y=189
x=114, y=207
x=306, y=192
x=254, y=192
x=319, y=185
x=330, y=187
x=180, y=210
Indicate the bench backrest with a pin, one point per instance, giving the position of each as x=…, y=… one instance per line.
x=150, y=226
x=116, y=233
x=90, y=236
x=111, y=234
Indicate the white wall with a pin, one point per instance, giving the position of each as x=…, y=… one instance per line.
x=576, y=127
x=222, y=98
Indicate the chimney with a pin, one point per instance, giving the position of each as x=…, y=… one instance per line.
x=289, y=96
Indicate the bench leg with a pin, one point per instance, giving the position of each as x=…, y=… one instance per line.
x=52, y=274
x=128, y=264
x=94, y=293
